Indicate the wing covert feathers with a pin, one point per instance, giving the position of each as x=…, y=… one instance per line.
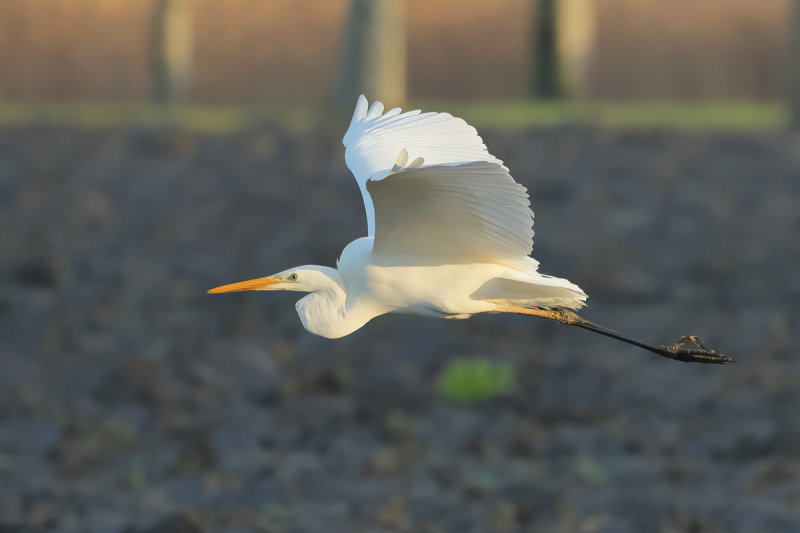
x=374, y=139
x=472, y=212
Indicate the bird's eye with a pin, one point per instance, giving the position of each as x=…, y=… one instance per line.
x=292, y=277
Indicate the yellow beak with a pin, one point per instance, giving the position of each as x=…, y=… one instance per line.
x=249, y=285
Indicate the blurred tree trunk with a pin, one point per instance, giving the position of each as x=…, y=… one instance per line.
x=171, y=50
x=563, y=39
x=794, y=69
x=545, y=78
x=374, y=60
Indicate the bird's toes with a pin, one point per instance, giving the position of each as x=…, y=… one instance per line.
x=692, y=350
x=692, y=339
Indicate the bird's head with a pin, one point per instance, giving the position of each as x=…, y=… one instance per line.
x=308, y=278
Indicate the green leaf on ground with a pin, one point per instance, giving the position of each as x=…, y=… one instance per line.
x=469, y=381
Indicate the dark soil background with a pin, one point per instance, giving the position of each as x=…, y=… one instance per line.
x=131, y=401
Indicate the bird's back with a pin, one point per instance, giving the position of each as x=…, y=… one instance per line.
x=447, y=290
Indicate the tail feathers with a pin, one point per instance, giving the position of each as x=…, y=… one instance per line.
x=534, y=291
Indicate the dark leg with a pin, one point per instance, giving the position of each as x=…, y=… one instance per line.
x=688, y=349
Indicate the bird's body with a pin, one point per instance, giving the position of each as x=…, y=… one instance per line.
x=364, y=286
x=449, y=234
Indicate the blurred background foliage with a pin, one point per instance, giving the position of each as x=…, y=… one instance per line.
x=311, y=52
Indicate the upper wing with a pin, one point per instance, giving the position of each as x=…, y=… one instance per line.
x=472, y=212
x=375, y=138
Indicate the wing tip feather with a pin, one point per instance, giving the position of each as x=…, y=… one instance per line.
x=359, y=114
x=361, y=108
x=375, y=110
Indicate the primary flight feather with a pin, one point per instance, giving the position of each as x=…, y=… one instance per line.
x=449, y=235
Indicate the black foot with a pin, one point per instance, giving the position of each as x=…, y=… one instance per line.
x=690, y=349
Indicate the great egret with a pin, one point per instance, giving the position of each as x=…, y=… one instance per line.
x=449, y=235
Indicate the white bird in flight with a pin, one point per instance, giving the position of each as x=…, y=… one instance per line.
x=449, y=235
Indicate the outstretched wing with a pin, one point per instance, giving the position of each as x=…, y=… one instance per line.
x=375, y=138
x=471, y=212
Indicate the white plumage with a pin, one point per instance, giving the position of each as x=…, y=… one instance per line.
x=375, y=139
x=449, y=231
x=469, y=212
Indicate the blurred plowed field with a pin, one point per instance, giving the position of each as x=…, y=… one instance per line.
x=129, y=397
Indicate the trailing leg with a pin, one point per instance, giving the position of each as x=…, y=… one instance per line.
x=689, y=349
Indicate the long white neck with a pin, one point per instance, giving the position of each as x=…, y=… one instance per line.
x=326, y=311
